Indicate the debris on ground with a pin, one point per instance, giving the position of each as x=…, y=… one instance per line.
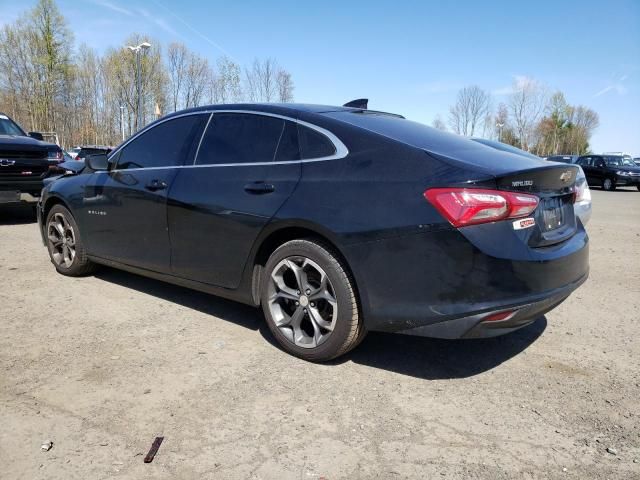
x=153, y=450
x=46, y=446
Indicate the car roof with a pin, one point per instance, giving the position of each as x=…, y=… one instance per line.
x=277, y=108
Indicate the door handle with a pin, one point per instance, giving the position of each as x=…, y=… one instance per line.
x=154, y=185
x=259, y=188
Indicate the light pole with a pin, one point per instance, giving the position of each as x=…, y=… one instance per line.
x=138, y=52
x=122, y=120
x=499, y=125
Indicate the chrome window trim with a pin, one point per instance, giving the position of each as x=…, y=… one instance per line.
x=341, y=149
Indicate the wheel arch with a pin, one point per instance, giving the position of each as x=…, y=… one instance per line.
x=50, y=202
x=278, y=234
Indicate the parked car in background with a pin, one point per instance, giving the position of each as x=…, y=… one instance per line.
x=73, y=152
x=582, y=206
x=562, y=158
x=25, y=161
x=610, y=171
x=335, y=220
x=92, y=150
x=636, y=160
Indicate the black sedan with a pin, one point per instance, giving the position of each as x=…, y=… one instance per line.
x=335, y=220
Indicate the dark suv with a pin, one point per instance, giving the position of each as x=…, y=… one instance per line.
x=25, y=160
x=610, y=171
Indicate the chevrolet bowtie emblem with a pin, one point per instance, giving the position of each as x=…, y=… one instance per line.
x=6, y=162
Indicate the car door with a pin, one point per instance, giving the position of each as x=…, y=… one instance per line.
x=599, y=170
x=125, y=208
x=245, y=170
x=586, y=164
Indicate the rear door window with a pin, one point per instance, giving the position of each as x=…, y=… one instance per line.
x=288, y=147
x=240, y=138
x=168, y=144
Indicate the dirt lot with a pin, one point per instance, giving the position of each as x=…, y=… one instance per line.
x=102, y=365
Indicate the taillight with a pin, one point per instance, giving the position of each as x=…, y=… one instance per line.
x=469, y=206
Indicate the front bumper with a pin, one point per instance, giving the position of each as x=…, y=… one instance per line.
x=14, y=197
x=627, y=180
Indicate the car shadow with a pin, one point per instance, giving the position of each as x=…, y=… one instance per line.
x=243, y=315
x=426, y=358
x=17, y=215
x=436, y=359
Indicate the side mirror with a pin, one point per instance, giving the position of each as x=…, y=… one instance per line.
x=36, y=135
x=98, y=162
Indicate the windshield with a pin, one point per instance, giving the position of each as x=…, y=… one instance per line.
x=8, y=127
x=618, y=161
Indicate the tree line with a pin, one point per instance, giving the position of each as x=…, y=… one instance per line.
x=49, y=85
x=532, y=118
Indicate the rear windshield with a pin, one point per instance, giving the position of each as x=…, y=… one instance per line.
x=436, y=141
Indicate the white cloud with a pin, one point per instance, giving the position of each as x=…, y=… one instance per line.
x=519, y=81
x=615, y=86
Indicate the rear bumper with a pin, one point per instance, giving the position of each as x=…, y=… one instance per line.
x=477, y=326
x=442, y=284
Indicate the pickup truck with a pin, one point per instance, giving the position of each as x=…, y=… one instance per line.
x=25, y=161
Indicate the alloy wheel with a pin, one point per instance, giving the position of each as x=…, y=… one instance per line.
x=302, y=301
x=62, y=240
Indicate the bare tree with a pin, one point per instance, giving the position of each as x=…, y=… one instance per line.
x=526, y=103
x=471, y=108
x=285, y=86
x=261, y=82
x=176, y=71
x=84, y=97
x=439, y=124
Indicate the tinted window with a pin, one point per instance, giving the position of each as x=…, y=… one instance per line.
x=313, y=144
x=167, y=144
x=240, y=138
x=7, y=127
x=288, y=148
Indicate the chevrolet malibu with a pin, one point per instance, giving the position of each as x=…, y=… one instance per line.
x=334, y=220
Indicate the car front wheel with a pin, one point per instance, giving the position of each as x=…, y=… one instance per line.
x=65, y=245
x=309, y=301
x=608, y=184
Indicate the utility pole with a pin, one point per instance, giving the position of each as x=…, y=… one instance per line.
x=137, y=50
x=122, y=120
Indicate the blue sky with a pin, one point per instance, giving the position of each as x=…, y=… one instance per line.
x=406, y=57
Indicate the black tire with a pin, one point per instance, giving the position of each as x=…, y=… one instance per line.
x=80, y=264
x=609, y=184
x=638, y=187
x=348, y=330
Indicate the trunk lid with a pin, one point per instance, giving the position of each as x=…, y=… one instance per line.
x=554, y=184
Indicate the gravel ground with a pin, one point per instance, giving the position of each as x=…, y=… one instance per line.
x=102, y=365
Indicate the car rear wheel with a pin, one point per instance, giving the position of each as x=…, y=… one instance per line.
x=608, y=184
x=309, y=301
x=65, y=245
x=638, y=187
